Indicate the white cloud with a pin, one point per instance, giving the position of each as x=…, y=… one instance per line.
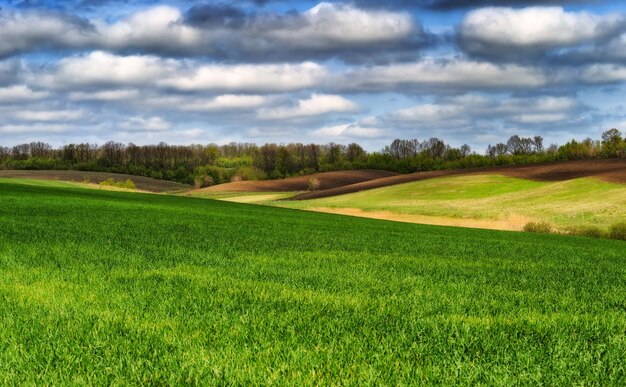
x=543, y=118
x=226, y=102
x=449, y=74
x=150, y=29
x=352, y=130
x=467, y=110
x=102, y=68
x=18, y=129
x=317, y=104
x=249, y=77
x=537, y=26
x=48, y=115
x=604, y=73
x=427, y=113
x=325, y=30
x=331, y=25
x=20, y=93
x=27, y=31
x=148, y=124
x=105, y=95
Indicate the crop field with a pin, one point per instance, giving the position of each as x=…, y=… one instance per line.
x=103, y=287
x=495, y=200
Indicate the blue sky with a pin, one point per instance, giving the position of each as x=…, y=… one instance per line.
x=468, y=71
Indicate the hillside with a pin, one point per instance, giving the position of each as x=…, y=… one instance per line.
x=493, y=201
x=142, y=183
x=607, y=170
x=327, y=180
x=166, y=290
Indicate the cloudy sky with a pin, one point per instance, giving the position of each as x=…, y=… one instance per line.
x=281, y=71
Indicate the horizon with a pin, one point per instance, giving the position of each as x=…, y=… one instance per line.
x=184, y=72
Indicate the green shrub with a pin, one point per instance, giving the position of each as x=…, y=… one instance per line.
x=249, y=173
x=203, y=181
x=618, y=231
x=314, y=184
x=586, y=231
x=129, y=184
x=539, y=227
x=108, y=182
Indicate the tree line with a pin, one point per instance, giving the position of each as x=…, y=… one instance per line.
x=205, y=165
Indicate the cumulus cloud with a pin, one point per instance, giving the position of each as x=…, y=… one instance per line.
x=226, y=102
x=105, y=69
x=37, y=30
x=509, y=33
x=468, y=110
x=453, y=74
x=603, y=74
x=48, y=115
x=145, y=124
x=38, y=128
x=20, y=93
x=327, y=30
x=105, y=95
x=155, y=30
x=363, y=129
x=316, y=105
x=249, y=77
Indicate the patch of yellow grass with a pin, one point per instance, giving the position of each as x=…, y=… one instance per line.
x=512, y=222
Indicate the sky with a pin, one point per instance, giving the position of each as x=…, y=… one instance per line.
x=365, y=71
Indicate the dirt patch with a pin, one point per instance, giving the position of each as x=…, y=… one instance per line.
x=252, y=198
x=513, y=222
x=608, y=170
x=142, y=183
x=327, y=180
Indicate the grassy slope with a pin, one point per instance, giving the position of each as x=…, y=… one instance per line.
x=576, y=202
x=107, y=287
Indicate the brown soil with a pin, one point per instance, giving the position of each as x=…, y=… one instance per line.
x=513, y=222
x=142, y=183
x=608, y=170
x=328, y=180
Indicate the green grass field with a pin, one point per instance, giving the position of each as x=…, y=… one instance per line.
x=571, y=203
x=102, y=287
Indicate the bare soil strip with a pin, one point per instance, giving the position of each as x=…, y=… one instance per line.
x=327, y=180
x=608, y=170
x=142, y=183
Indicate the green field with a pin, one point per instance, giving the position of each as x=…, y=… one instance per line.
x=571, y=203
x=102, y=287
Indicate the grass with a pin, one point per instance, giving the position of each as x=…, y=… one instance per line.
x=103, y=287
x=572, y=203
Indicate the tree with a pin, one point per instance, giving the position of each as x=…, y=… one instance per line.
x=612, y=136
x=501, y=149
x=40, y=149
x=465, y=150
x=355, y=153
x=538, y=144
x=313, y=156
x=266, y=158
x=612, y=143
x=433, y=148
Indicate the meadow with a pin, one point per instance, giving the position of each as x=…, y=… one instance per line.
x=505, y=202
x=104, y=287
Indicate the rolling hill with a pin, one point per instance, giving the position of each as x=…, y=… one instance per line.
x=141, y=182
x=102, y=287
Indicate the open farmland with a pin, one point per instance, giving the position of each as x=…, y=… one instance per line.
x=141, y=182
x=326, y=180
x=604, y=170
x=103, y=287
x=485, y=201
